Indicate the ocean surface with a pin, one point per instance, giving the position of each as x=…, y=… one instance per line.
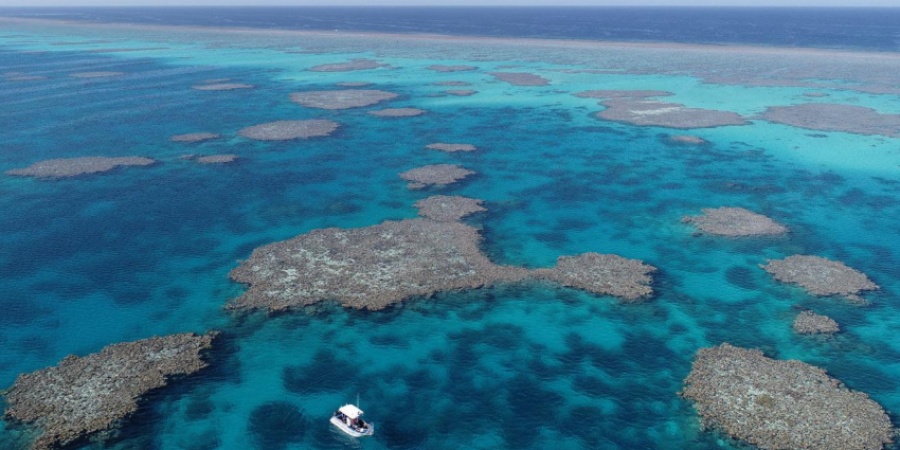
x=140, y=251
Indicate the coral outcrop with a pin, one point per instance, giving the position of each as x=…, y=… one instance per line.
x=342, y=98
x=782, y=404
x=380, y=265
x=222, y=86
x=398, y=112
x=521, y=78
x=727, y=221
x=355, y=64
x=808, y=322
x=83, y=396
x=451, y=148
x=434, y=175
x=821, y=276
x=194, y=137
x=637, y=111
x=835, y=117
x=73, y=167
x=284, y=130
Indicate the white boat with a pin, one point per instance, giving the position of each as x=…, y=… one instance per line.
x=348, y=419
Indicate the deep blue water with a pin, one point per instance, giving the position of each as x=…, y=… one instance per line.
x=854, y=28
x=90, y=261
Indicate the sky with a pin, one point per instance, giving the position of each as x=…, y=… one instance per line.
x=830, y=3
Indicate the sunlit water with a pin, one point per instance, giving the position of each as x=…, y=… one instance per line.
x=90, y=261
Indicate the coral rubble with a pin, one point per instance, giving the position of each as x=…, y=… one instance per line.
x=436, y=174
x=342, y=98
x=451, y=148
x=821, y=276
x=283, y=130
x=73, y=167
x=355, y=64
x=521, y=78
x=726, y=221
x=377, y=266
x=83, y=396
x=194, y=137
x=637, y=111
x=782, y=404
x=398, y=112
x=835, y=117
x=808, y=322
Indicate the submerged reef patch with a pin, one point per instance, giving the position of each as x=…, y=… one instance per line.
x=687, y=139
x=637, y=111
x=821, y=276
x=194, y=137
x=435, y=174
x=808, y=322
x=627, y=279
x=22, y=76
x=342, y=98
x=454, y=68
x=607, y=94
x=353, y=83
x=446, y=208
x=782, y=404
x=521, y=78
x=377, y=266
x=727, y=221
x=354, y=64
x=83, y=396
x=452, y=83
x=398, y=112
x=96, y=74
x=222, y=86
x=284, y=130
x=451, y=148
x=835, y=117
x=461, y=92
x=73, y=167
x=216, y=159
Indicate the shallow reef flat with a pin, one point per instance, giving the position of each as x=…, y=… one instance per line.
x=398, y=112
x=782, y=404
x=435, y=175
x=808, y=322
x=221, y=86
x=194, y=137
x=73, y=167
x=734, y=222
x=341, y=99
x=451, y=148
x=285, y=130
x=349, y=66
x=86, y=396
x=637, y=111
x=377, y=266
x=821, y=276
x=521, y=78
x=835, y=117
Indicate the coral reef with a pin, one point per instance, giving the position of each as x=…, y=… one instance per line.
x=353, y=84
x=83, y=396
x=96, y=74
x=194, y=137
x=398, y=112
x=608, y=94
x=283, y=130
x=456, y=68
x=436, y=174
x=445, y=208
x=73, y=167
x=835, y=117
x=628, y=279
x=726, y=221
x=355, y=64
x=377, y=266
x=216, y=159
x=687, y=139
x=521, y=78
x=808, y=322
x=221, y=86
x=452, y=83
x=821, y=276
x=461, y=92
x=782, y=404
x=637, y=111
x=341, y=99
x=451, y=148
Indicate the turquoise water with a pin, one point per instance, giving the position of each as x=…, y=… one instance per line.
x=95, y=260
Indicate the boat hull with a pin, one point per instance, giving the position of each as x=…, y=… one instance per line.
x=350, y=431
